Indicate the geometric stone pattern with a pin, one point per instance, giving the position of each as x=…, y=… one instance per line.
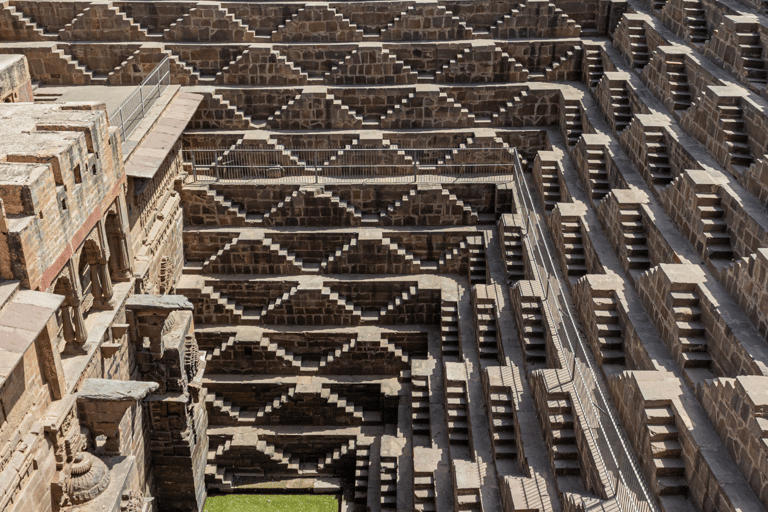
x=391, y=341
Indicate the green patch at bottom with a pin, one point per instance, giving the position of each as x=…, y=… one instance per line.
x=271, y=503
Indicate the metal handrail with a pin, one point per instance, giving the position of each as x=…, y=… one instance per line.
x=637, y=496
x=248, y=164
x=135, y=106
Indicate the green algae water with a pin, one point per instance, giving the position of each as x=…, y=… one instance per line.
x=271, y=503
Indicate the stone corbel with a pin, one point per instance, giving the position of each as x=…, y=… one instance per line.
x=118, y=334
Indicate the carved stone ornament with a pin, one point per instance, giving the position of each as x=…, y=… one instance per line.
x=88, y=477
x=132, y=501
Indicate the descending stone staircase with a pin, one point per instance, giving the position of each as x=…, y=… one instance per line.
x=218, y=407
x=332, y=458
x=714, y=226
x=622, y=110
x=477, y=262
x=388, y=483
x=561, y=437
x=487, y=335
x=216, y=352
x=690, y=330
x=638, y=46
x=512, y=250
x=501, y=412
x=696, y=22
x=657, y=157
x=456, y=413
x=731, y=119
x=599, y=181
x=610, y=337
x=573, y=122
x=276, y=403
x=531, y=331
x=420, y=416
x=573, y=247
x=362, y=464
x=667, y=452
x=634, y=237
x=449, y=331
x=23, y=23
x=751, y=58
x=424, y=492
x=678, y=81
x=595, y=68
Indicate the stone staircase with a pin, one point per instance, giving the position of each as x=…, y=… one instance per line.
x=573, y=123
x=677, y=77
x=420, y=415
x=695, y=19
x=512, y=249
x=207, y=264
x=222, y=20
x=711, y=215
x=531, y=330
x=218, y=407
x=667, y=452
x=216, y=352
x=237, y=310
x=275, y=351
x=657, y=157
x=501, y=412
x=487, y=335
x=433, y=21
x=332, y=458
x=424, y=492
x=634, y=237
x=456, y=412
x=276, y=403
x=362, y=464
x=610, y=336
x=595, y=68
x=302, y=26
x=388, y=483
x=638, y=46
x=690, y=330
x=449, y=331
x=751, y=58
x=24, y=23
x=597, y=170
x=731, y=120
x=622, y=110
x=477, y=261
x=561, y=437
x=103, y=19
x=573, y=247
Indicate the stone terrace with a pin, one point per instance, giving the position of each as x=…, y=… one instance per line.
x=390, y=340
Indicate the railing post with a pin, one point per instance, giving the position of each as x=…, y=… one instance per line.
x=194, y=166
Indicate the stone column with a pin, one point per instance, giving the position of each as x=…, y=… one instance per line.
x=106, y=281
x=81, y=334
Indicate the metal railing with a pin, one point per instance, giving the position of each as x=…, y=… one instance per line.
x=628, y=486
x=135, y=107
x=280, y=165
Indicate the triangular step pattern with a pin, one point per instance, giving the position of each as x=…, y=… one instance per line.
x=101, y=21
x=315, y=109
x=428, y=107
x=481, y=63
x=372, y=66
x=209, y=24
x=315, y=23
x=535, y=18
x=261, y=66
x=427, y=21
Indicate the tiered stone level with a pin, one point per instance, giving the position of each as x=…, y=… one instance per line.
x=452, y=332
